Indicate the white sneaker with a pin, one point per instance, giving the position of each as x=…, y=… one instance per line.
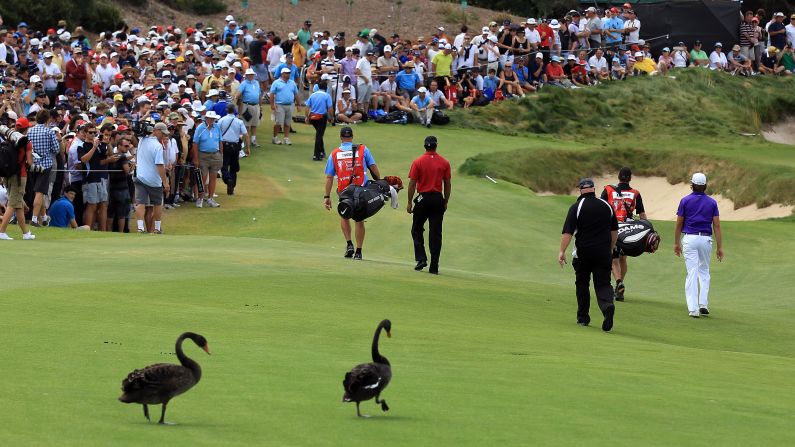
x=694, y=314
x=215, y=195
x=275, y=140
x=288, y=142
x=28, y=236
x=199, y=203
x=213, y=203
x=242, y=154
x=5, y=237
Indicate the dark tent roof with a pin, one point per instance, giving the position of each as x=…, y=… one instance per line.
x=667, y=22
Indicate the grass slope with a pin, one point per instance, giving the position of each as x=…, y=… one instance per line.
x=485, y=354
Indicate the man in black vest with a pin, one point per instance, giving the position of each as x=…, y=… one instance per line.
x=594, y=222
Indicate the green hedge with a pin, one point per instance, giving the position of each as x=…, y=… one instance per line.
x=93, y=15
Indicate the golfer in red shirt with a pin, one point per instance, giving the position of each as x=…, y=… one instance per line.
x=429, y=173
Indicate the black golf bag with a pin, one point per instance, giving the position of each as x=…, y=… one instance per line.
x=636, y=237
x=360, y=202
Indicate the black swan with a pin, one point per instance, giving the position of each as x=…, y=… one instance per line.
x=159, y=383
x=368, y=380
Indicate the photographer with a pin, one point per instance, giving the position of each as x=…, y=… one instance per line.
x=119, y=192
x=16, y=187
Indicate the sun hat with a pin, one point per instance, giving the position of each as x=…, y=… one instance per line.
x=531, y=21
x=211, y=115
x=699, y=179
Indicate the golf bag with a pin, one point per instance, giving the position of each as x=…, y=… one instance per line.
x=636, y=237
x=439, y=118
x=360, y=202
x=393, y=117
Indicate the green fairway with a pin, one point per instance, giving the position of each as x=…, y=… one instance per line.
x=487, y=353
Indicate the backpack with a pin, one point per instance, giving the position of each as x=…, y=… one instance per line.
x=9, y=156
x=393, y=117
x=440, y=118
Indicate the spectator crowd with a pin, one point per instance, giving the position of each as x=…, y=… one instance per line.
x=89, y=104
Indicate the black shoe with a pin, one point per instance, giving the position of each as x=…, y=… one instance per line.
x=317, y=158
x=357, y=256
x=620, y=288
x=608, y=323
x=703, y=311
x=35, y=224
x=349, y=251
x=420, y=265
x=230, y=190
x=433, y=269
x=584, y=322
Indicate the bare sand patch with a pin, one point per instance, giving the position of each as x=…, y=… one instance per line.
x=661, y=200
x=782, y=132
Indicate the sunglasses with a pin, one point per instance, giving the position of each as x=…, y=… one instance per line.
x=91, y=132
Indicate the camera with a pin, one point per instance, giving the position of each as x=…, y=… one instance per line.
x=142, y=128
x=10, y=134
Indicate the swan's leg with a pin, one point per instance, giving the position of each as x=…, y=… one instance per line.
x=146, y=412
x=358, y=413
x=384, y=406
x=163, y=415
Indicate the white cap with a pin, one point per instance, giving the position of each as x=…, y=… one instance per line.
x=181, y=83
x=493, y=38
x=485, y=30
x=285, y=70
x=114, y=54
x=639, y=54
x=189, y=91
x=539, y=55
x=137, y=87
x=388, y=48
x=212, y=92
x=778, y=14
x=347, y=90
x=177, y=31
x=231, y=70
x=325, y=42
x=229, y=18
x=142, y=99
x=291, y=36
x=251, y=71
x=34, y=79
x=47, y=54
x=63, y=98
x=114, y=88
x=422, y=90
x=12, y=115
x=699, y=179
x=531, y=21
x=571, y=57
x=232, y=22
x=239, y=32
x=166, y=73
x=554, y=24
x=447, y=46
x=35, y=42
x=211, y=115
x=441, y=28
x=197, y=105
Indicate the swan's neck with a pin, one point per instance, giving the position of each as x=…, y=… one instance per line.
x=187, y=361
x=377, y=357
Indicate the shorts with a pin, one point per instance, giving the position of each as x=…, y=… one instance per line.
x=145, y=194
x=210, y=162
x=618, y=252
x=254, y=111
x=16, y=192
x=4, y=195
x=364, y=93
x=262, y=72
x=118, y=206
x=41, y=181
x=284, y=114
x=95, y=192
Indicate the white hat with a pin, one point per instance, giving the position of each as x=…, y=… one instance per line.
x=12, y=115
x=181, y=83
x=539, y=55
x=189, y=91
x=250, y=71
x=422, y=90
x=34, y=79
x=177, y=31
x=213, y=92
x=531, y=21
x=163, y=104
x=571, y=57
x=237, y=64
x=197, y=106
x=639, y=54
x=388, y=48
x=229, y=18
x=667, y=49
x=699, y=179
x=239, y=32
x=166, y=73
x=485, y=30
x=142, y=99
x=232, y=22
x=137, y=87
x=325, y=42
x=63, y=98
x=493, y=38
x=447, y=46
x=35, y=42
x=441, y=28
x=211, y=115
x=778, y=14
x=114, y=88
x=554, y=24
x=285, y=70
x=291, y=36
x=347, y=90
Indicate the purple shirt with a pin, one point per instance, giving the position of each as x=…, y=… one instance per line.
x=349, y=67
x=698, y=209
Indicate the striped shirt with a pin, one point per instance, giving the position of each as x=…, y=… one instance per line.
x=44, y=144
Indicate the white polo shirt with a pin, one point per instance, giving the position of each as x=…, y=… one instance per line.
x=600, y=64
x=633, y=36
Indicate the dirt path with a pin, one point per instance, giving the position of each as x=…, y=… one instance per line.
x=661, y=200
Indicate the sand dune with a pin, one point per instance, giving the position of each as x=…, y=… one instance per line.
x=782, y=132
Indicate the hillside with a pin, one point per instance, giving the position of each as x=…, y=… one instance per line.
x=409, y=18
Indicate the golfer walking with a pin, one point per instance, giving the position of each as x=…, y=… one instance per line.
x=430, y=177
x=594, y=222
x=348, y=163
x=696, y=222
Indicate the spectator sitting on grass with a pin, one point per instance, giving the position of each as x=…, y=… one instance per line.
x=387, y=95
x=769, y=63
x=438, y=98
x=738, y=63
x=491, y=84
x=62, y=212
x=523, y=74
x=510, y=82
x=643, y=65
x=422, y=107
x=787, y=60
x=556, y=75
x=407, y=81
x=665, y=62
x=717, y=59
x=346, y=109
x=698, y=56
x=618, y=72
x=579, y=74
x=537, y=75
x=599, y=67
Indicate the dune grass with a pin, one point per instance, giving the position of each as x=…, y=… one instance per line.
x=487, y=353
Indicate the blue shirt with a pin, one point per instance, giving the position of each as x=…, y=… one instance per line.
x=698, y=209
x=522, y=74
x=149, y=156
x=293, y=71
x=220, y=108
x=207, y=139
x=61, y=213
x=250, y=91
x=284, y=92
x=231, y=128
x=319, y=102
x=421, y=103
x=613, y=24
x=368, y=160
x=491, y=83
x=407, y=81
x=209, y=104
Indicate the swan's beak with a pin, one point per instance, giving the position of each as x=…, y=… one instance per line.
x=389, y=334
x=206, y=349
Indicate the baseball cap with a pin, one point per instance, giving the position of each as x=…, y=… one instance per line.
x=47, y=55
x=422, y=90
x=778, y=14
x=346, y=132
x=699, y=179
x=22, y=123
x=666, y=49
x=571, y=57
x=285, y=70
x=539, y=55
x=485, y=30
x=388, y=48
x=163, y=128
x=586, y=183
x=447, y=46
x=118, y=97
x=639, y=54
x=736, y=48
x=34, y=79
x=718, y=44
x=555, y=59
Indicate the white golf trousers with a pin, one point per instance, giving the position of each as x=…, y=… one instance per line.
x=697, y=250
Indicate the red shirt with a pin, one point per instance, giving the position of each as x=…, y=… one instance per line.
x=429, y=170
x=22, y=158
x=554, y=70
x=547, y=35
